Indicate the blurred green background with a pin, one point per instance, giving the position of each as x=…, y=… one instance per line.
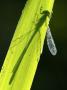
x=52, y=70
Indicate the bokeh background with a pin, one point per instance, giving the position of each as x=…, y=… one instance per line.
x=52, y=70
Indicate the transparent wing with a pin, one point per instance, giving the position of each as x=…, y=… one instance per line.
x=50, y=43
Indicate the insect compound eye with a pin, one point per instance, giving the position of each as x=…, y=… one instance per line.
x=46, y=13
x=50, y=43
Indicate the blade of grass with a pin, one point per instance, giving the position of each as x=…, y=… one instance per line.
x=24, y=74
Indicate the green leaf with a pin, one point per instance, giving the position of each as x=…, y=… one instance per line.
x=26, y=46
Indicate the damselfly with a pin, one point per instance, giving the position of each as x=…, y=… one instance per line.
x=50, y=42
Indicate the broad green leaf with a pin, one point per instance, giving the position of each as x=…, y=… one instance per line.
x=26, y=46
